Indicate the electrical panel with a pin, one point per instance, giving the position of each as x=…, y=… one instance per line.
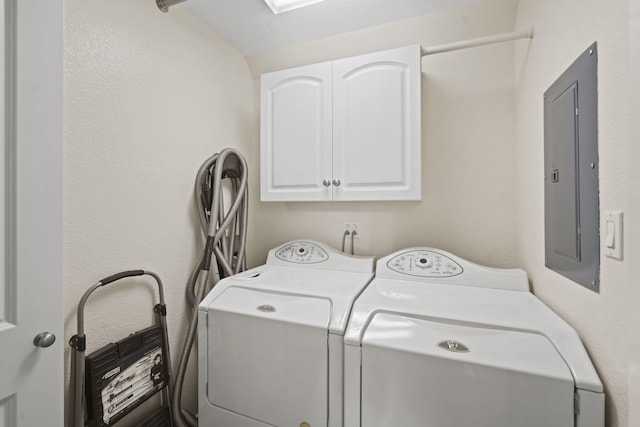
x=572, y=238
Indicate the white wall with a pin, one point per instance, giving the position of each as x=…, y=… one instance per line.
x=563, y=30
x=633, y=219
x=468, y=200
x=148, y=97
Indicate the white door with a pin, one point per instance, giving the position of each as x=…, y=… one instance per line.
x=31, y=377
x=376, y=125
x=296, y=134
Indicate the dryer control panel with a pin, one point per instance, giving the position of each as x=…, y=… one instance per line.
x=302, y=253
x=423, y=263
x=431, y=265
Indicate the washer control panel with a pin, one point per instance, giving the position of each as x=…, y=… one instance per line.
x=423, y=263
x=314, y=254
x=301, y=252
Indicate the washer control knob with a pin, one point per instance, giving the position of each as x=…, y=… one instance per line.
x=336, y=182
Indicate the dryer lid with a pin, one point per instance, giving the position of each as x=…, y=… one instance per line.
x=490, y=308
x=515, y=351
x=454, y=375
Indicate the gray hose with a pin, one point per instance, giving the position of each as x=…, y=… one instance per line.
x=226, y=235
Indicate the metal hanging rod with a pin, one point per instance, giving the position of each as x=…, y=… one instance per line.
x=498, y=38
x=164, y=5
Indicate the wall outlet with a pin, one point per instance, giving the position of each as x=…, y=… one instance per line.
x=350, y=227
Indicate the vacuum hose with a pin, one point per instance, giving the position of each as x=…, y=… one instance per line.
x=226, y=235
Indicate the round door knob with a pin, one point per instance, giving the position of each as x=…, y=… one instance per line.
x=336, y=182
x=326, y=182
x=44, y=339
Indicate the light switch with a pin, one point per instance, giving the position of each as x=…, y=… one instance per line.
x=610, y=236
x=613, y=234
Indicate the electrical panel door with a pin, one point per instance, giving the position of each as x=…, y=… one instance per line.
x=572, y=239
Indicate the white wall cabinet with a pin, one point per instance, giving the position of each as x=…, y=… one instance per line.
x=296, y=128
x=343, y=130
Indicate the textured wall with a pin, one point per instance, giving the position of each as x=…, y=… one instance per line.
x=633, y=218
x=148, y=97
x=467, y=144
x=563, y=30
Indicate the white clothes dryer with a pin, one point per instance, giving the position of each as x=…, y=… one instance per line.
x=270, y=339
x=438, y=341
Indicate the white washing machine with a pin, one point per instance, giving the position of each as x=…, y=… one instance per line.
x=438, y=341
x=270, y=339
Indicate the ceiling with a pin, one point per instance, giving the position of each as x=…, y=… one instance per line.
x=252, y=28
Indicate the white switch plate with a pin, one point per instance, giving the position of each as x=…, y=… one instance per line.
x=612, y=235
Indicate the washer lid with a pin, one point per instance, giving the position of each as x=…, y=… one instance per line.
x=267, y=356
x=298, y=310
x=339, y=288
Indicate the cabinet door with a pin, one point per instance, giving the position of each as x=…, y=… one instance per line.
x=376, y=119
x=296, y=134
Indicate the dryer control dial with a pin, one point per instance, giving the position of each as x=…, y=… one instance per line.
x=424, y=264
x=302, y=253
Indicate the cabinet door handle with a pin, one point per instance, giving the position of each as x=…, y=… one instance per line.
x=336, y=182
x=326, y=182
